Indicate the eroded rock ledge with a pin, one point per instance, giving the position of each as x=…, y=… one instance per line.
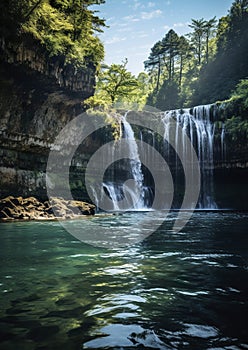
x=19, y=208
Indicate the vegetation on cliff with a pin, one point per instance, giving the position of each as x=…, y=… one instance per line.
x=206, y=65
x=63, y=27
x=236, y=116
x=203, y=66
x=117, y=86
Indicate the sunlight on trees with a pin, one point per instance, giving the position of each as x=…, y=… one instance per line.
x=203, y=66
x=62, y=27
x=115, y=84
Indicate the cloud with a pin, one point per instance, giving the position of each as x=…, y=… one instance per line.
x=139, y=5
x=150, y=15
x=123, y=24
x=179, y=25
x=146, y=46
x=136, y=5
x=131, y=18
x=139, y=35
x=143, y=36
x=142, y=54
x=114, y=40
x=124, y=29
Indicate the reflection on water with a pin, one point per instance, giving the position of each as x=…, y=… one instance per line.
x=171, y=291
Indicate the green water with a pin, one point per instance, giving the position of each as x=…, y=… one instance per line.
x=171, y=291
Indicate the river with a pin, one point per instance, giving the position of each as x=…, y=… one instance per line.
x=185, y=290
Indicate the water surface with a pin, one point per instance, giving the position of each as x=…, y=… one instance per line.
x=171, y=291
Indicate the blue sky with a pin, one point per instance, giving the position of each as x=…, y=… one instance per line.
x=135, y=25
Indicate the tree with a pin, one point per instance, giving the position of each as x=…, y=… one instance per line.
x=230, y=63
x=63, y=27
x=170, y=49
x=197, y=37
x=168, y=96
x=155, y=61
x=115, y=84
x=209, y=29
x=184, y=53
x=144, y=88
x=222, y=29
x=220, y=60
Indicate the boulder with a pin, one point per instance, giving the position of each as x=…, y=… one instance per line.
x=19, y=208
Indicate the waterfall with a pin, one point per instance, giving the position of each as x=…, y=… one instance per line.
x=222, y=141
x=126, y=180
x=196, y=125
x=135, y=163
x=137, y=194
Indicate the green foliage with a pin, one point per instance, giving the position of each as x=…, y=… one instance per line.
x=62, y=27
x=230, y=64
x=235, y=116
x=237, y=129
x=177, y=62
x=168, y=96
x=206, y=64
x=241, y=92
x=111, y=117
x=197, y=37
x=117, y=82
x=116, y=85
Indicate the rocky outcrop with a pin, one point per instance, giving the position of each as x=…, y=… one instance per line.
x=30, y=55
x=19, y=208
x=39, y=95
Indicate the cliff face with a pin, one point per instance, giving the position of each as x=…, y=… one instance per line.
x=38, y=97
x=30, y=56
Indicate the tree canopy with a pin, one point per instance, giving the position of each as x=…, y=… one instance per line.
x=62, y=27
x=115, y=84
x=203, y=66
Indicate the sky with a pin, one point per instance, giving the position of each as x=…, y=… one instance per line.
x=136, y=25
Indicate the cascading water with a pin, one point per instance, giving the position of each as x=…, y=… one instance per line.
x=222, y=141
x=179, y=125
x=136, y=195
x=196, y=125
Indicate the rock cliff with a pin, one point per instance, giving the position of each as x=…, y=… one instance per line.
x=39, y=95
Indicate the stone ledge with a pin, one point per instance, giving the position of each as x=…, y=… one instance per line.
x=26, y=209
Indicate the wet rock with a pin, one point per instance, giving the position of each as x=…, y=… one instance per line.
x=18, y=208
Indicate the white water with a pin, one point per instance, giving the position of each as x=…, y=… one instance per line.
x=196, y=125
x=223, y=145
x=135, y=194
x=179, y=125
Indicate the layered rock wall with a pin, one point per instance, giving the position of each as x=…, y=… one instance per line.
x=38, y=97
x=29, y=55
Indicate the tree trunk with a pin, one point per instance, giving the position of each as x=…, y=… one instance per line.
x=32, y=10
x=207, y=48
x=181, y=72
x=158, y=79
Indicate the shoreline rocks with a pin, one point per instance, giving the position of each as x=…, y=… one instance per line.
x=27, y=209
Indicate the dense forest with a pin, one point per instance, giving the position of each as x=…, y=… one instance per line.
x=206, y=65
x=203, y=66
